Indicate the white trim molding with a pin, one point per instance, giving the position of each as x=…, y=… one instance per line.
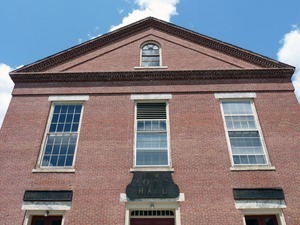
x=260, y=204
x=235, y=95
x=151, y=96
x=46, y=206
x=180, y=198
x=58, y=98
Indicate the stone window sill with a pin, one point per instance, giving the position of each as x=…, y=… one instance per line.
x=150, y=67
x=53, y=170
x=151, y=169
x=250, y=168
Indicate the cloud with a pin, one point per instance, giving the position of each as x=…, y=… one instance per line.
x=6, y=86
x=161, y=9
x=120, y=11
x=290, y=53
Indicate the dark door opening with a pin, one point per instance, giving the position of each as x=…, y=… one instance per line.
x=152, y=221
x=261, y=220
x=49, y=220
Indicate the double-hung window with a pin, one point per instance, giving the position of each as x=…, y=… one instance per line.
x=151, y=134
x=243, y=133
x=62, y=134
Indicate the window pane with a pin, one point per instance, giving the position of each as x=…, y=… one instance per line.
x=252, y=159
x=64, y=149
x=55, y=118
x=45, y=161
x=71, y=109
x=252, y=222
x=244, y=159
x=141, y=125
x=53, y=161
x=75, y=127
x=55, y=149
x=155, y=125
x=39, y=222
x=69, y=118
x=56, y=222
x=57, y=108
x=60, y=127
x=78, y=108
x=67, y=127
x=69, y=161
x=260, y=159
x=236, y=160
x=62, y=118
x=270, y=221
x=163, y=125
x=147, y=125
x=152, y=158
x=48, y=149
x=61, y=161
x=237, y=107
x=53, y=127
x=76, y=118
x=64, y=108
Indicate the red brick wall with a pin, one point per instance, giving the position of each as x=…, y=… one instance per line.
x=104, y=155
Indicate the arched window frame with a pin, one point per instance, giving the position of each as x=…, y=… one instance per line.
x=142, y=62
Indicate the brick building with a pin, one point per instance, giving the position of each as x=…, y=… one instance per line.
x=151, y=124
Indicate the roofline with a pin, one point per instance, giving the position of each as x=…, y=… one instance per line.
x=144, y=24
x=45, y=77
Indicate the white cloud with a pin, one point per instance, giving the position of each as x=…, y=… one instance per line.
x=6, y=86
x=161, y=9
x=290, y=53
x=120, y=11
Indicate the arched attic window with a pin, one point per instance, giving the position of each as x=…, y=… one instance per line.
x=150, y=54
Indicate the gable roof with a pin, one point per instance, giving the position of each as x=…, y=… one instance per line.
x=145, y=24
x=40, y=71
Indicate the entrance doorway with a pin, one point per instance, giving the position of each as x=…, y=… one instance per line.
x=261, y=220
x=49, y=220
x=152, y=217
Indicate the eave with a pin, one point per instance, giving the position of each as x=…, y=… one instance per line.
x=44, y=77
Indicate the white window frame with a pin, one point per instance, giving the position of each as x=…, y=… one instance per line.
x=64, y=99
x=152, y=98
x=168, y=136
x=240, y=97
x=141, y=52
x=141, y=55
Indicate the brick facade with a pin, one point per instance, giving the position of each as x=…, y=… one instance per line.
x=104, y=156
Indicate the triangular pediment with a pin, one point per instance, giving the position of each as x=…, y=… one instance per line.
x=181, y=49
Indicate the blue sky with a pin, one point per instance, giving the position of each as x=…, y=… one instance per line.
x=34, y=29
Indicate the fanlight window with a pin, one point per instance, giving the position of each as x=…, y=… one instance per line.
x=167, y=213
x=150, y=55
